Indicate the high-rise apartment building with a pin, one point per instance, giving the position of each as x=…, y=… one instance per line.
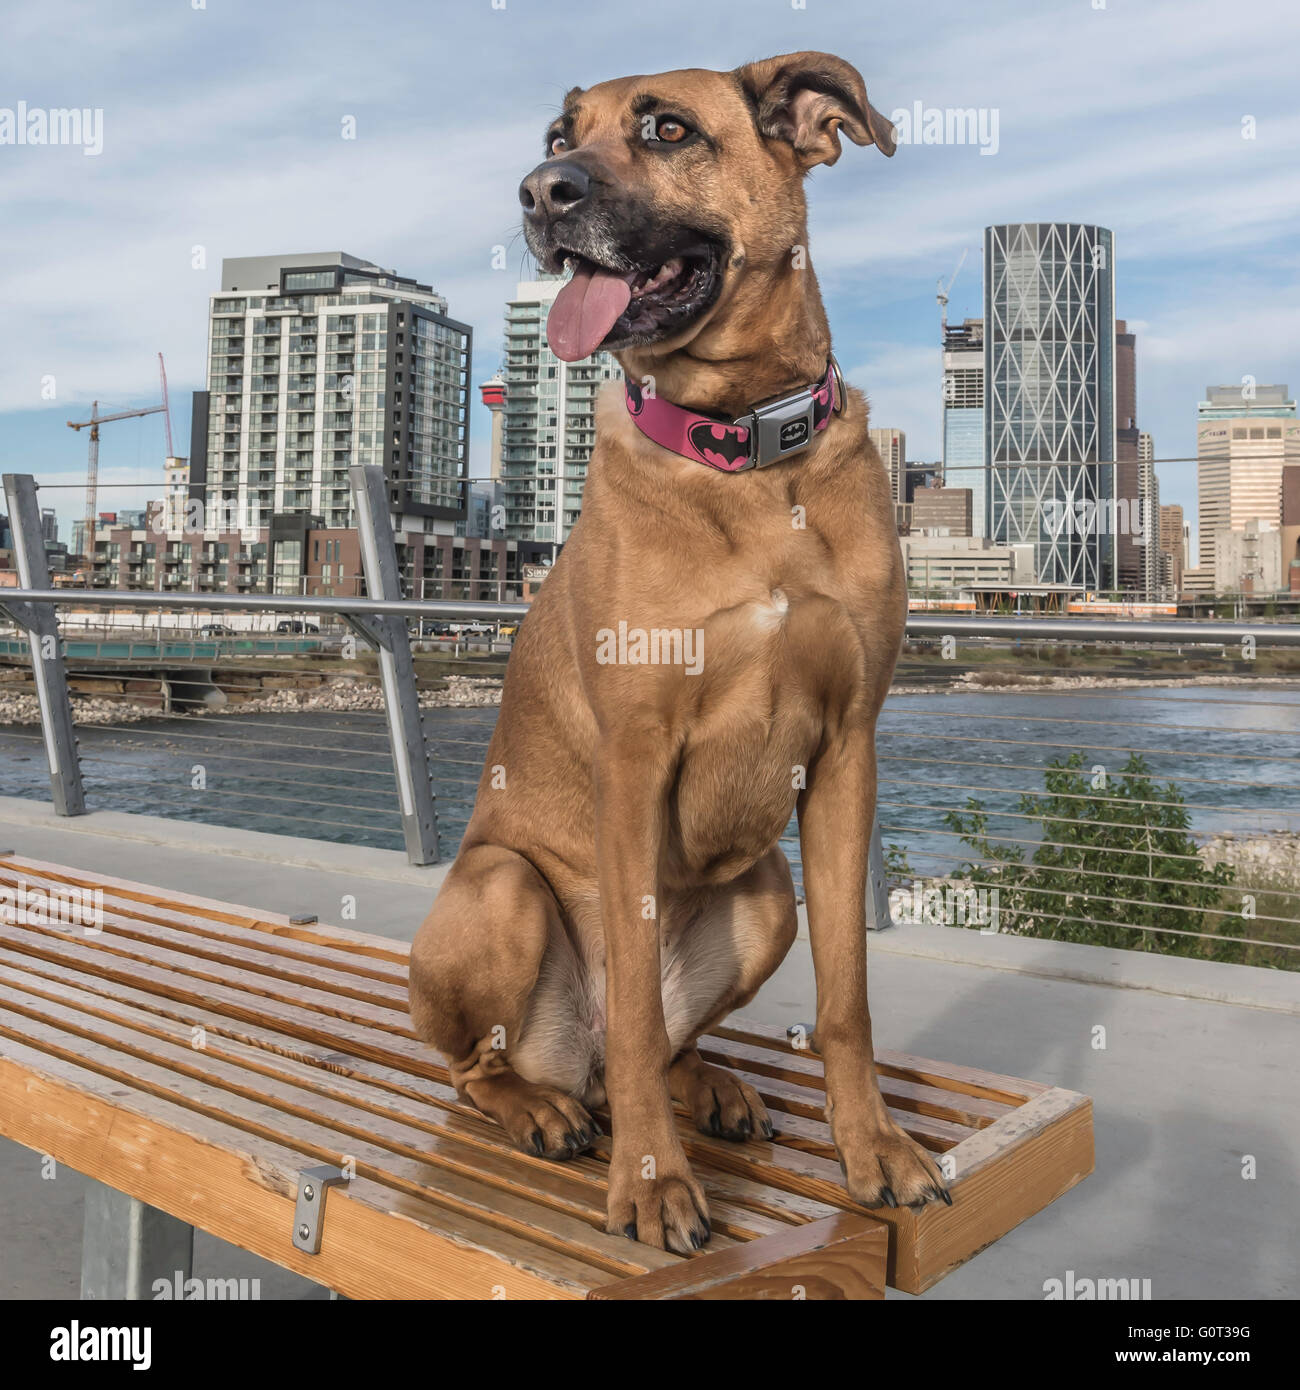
x=1049, y=395
x=549, y=422
x=1245, y=436
x=964, y=462
x=322, y=360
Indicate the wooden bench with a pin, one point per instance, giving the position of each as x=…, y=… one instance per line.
x=226, y=1066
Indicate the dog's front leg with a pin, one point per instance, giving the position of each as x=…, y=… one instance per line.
x=653, y=1196
x=881, y=1164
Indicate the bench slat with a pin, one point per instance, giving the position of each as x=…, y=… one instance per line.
x=435, y=1128
x=434, y=1184
x=240, y=933
x=241, y=1189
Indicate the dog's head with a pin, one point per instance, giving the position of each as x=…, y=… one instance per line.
x=664, y=192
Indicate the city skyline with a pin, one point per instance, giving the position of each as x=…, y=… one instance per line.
x=1153, y=151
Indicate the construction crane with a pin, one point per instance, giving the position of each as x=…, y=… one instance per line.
x=942, y=296
x=167, y=411
x=92, y=465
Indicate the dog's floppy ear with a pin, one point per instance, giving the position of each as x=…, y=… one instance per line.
x=806, y=99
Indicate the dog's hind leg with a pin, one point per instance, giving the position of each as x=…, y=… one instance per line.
x=493, y=935
x=719, y=964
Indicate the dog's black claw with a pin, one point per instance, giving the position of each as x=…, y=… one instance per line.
x=945, y=1194
x=696, y=1242
x=715, y=1122
x=630, y=1230
x=535, y=1143
x=768, y=1131
x=596, y=1129
x=888, y=1195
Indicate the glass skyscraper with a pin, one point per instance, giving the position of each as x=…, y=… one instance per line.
x=1049, y=396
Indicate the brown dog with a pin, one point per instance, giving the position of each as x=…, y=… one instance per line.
x=620, y=888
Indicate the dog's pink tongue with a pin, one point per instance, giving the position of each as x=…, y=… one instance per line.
x=584, y=311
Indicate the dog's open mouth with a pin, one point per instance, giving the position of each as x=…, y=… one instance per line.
x=610, y=308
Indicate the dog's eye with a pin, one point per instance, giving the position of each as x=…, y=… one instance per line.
x=669, y=130
x=556, y=144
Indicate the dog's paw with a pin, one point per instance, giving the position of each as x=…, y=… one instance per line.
x=889, y=1168
x=722, y=1104
x=667, y=1211
x=549, y=1124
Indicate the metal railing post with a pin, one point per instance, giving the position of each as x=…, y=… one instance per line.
x=396, y=668
x=41, y=623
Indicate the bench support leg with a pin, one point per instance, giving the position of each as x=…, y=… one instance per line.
x=127, y=1245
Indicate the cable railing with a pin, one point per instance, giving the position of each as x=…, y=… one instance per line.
x=1127, y=783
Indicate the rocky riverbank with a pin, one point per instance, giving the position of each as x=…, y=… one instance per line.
x=337, y=695
x=1269, y=860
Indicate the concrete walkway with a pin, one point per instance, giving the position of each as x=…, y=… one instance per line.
x=1191, y=1067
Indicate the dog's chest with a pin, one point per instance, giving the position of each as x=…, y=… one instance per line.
x=777, y=669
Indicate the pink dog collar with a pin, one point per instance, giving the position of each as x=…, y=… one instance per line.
x=767, y=434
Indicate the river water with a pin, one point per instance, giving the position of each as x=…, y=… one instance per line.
x=1234, y=753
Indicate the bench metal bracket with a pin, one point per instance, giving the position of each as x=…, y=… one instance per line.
x=309, y=1210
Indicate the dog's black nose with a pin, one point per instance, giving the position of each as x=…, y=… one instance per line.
x=553, y=188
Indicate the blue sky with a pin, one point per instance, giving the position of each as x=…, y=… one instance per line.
x=222, y=130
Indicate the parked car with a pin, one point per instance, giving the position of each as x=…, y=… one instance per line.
x=295, y=625
x=508, y=629
x=435, y=627
x=471, y=629
x=216, y=630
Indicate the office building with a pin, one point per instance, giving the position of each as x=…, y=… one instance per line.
x=941, y=511
x=1148, y=514
x=1245, y=436
x=1250, y=561
x=891, y=445
x=1131, y=571
x=941, y=566
x=964, y=462
x=1049, y=394
x=548, y=421
x=1173, y=552
x=1291, y=528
